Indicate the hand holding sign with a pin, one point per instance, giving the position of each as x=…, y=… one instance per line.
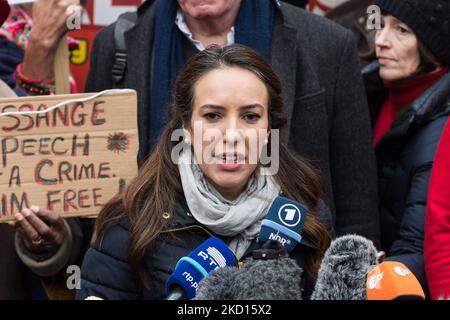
x=42, y=230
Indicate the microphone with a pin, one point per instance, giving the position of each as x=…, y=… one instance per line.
x=269, y=275
x=284, y=223
x=393, y=281
x=211, y=255
x=343, y=271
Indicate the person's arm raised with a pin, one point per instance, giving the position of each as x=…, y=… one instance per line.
x=49, y=27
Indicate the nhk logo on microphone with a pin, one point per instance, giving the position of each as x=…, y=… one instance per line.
x=289, y=215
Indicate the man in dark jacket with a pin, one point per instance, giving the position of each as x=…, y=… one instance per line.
x=323, y=93
x=352, y=14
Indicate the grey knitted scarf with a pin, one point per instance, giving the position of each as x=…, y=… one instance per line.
x=239, y=219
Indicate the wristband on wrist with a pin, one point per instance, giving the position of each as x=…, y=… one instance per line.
x=33, y=86
x=35, y=89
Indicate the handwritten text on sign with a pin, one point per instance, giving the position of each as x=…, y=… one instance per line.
x=71, y=159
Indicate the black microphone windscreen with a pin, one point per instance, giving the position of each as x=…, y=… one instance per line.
x=278, y=279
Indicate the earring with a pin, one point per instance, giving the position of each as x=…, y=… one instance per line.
x=266, y=140
x=187, y=141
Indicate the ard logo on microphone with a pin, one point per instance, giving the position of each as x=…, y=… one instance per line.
x=290, y=215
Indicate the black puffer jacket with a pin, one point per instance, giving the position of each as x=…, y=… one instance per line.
x=405, y=157
x=107, y=274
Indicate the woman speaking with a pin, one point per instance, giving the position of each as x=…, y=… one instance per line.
x=217, y=185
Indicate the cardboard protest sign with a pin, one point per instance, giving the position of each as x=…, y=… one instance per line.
x=71, y=159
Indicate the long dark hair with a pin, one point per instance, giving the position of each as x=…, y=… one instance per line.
x=150, y=198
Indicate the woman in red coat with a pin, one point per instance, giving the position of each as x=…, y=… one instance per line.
x=437, y=227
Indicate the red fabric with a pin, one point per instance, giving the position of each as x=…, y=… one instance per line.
x=437, y=226
x=400, y=96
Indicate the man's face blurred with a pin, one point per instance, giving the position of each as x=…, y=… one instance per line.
x=201, y=9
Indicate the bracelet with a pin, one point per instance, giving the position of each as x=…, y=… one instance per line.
x=19, y=75
x=31, y=86
x=35, y=89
